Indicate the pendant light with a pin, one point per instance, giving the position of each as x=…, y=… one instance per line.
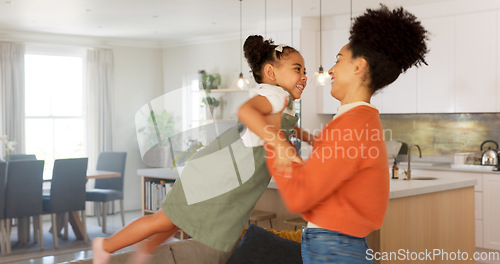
x=321, y=75
x=350, y=14
x=241, y=82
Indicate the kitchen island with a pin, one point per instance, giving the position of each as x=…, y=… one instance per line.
x=424, y=217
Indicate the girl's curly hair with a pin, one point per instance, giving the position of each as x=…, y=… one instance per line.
x=391, y=42
x=259, y=52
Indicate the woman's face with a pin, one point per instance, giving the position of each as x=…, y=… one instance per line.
x=290, y=74
x=342, y=74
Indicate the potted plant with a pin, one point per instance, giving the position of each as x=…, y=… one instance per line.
x=156, y=138
x=209, y=81
x=212, y=103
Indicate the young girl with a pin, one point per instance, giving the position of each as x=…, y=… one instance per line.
x=218, y=221
x=342, y=190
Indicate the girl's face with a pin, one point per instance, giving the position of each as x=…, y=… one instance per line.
x=342, y=74
x=290, y=74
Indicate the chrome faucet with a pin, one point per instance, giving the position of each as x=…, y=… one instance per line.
x=408, y=174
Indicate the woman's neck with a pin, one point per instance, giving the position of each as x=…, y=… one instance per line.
x=361, y=94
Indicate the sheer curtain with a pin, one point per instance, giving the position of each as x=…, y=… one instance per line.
x=99, y=108
x=12, y=93
x=99, y=102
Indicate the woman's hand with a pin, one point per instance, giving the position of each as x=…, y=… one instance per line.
x=285, y=154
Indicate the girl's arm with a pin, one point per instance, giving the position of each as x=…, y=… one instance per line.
x=304, y=136
x=256, y=115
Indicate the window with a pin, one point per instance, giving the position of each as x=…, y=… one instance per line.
x=55, y=120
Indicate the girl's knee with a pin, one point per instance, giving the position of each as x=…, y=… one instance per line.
x=162, y=222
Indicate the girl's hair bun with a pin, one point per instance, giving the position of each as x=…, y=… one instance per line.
x=257, y=50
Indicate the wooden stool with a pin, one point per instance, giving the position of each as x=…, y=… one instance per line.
x=297, y=221
x=261, y=216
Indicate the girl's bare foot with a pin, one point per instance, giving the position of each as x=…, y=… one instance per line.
x=100, y=255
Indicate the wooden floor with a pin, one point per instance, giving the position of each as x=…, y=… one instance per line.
x=67, y=253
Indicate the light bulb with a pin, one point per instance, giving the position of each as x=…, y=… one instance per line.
x=241, y=82
x=321, y=76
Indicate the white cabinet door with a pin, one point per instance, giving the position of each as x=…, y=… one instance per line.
x=400, y=97
x=435, y=86
x=333, y=41
x=498, y=61
x=491, y=211
x=475, y=62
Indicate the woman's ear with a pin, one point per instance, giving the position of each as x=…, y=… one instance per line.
x=361, y=66
x=269, y=72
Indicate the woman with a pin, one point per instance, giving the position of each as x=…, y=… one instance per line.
x=343, y=188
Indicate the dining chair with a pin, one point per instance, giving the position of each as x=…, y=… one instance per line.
x=67, y=194
x=108, y=190
x=3, y=234
x=23, y=195
x=15, y=157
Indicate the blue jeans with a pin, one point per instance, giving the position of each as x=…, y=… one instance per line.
x=325, y=246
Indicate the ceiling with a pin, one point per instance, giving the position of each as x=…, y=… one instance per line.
x=164, y=21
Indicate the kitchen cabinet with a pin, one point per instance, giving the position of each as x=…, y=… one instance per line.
x=475, y=62
x=478, y=196
x=461, y=75
x=399, y=96
x=435, y=89
x=426, y=215
x=498, y=61
x=491, y=211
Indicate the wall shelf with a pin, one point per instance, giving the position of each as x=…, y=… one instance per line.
x=224, y=90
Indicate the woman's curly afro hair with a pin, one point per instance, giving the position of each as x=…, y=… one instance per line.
x=391, y=42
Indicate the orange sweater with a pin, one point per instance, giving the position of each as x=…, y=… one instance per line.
x=344, y=185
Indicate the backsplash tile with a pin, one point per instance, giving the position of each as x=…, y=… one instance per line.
x=443, y=134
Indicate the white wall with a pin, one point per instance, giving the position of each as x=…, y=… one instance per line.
x=309, y=48
x=217, y=57
x=138, y=79
x=223, y=58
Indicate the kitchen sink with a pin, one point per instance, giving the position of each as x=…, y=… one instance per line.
x=422, y=178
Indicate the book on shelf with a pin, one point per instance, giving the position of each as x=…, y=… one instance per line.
x=155, y=192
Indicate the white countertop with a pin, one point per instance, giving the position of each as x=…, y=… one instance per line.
x=403, y=188
x=452, y=167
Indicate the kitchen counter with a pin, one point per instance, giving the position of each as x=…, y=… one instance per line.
x=448, y=167
x=403, y=188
